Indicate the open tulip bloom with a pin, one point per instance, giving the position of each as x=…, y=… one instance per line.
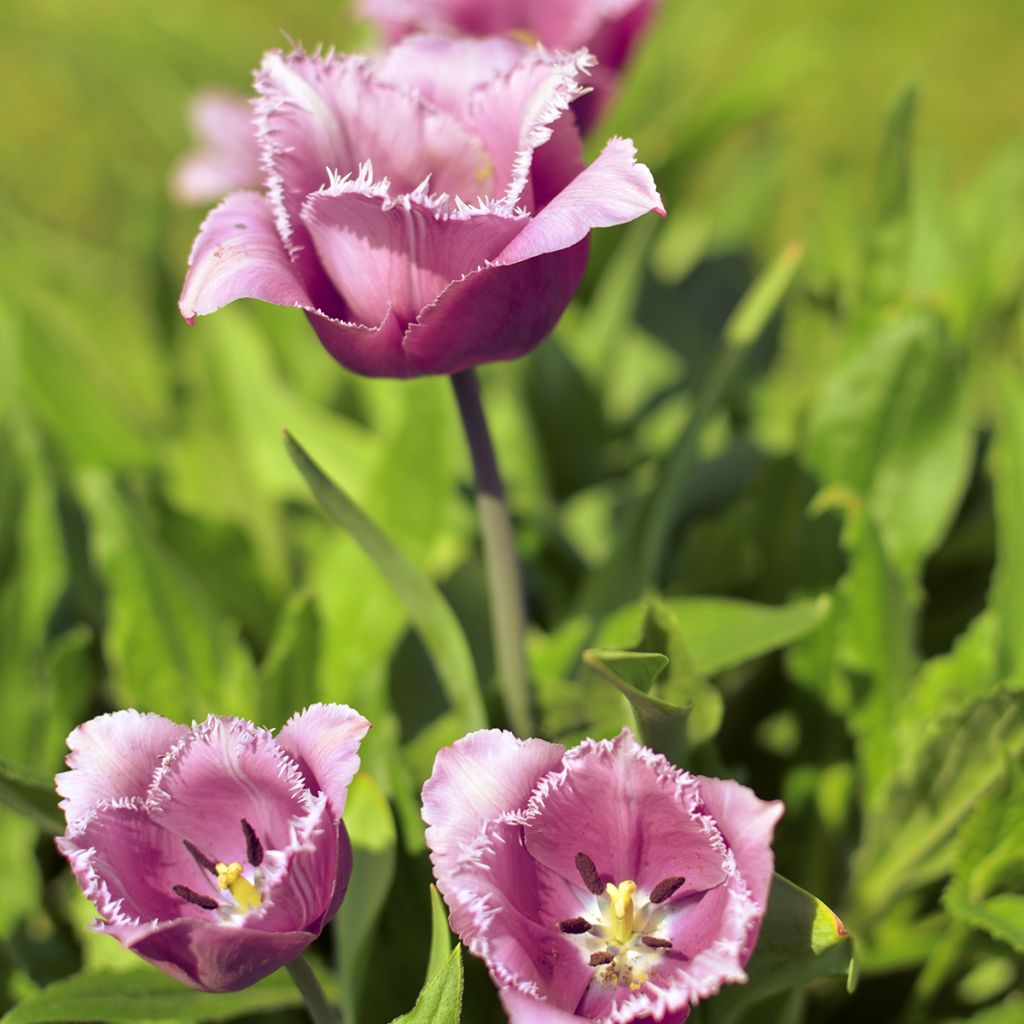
x=600, y=883
x=215, y=852
x=608, y=28
x=428, y=209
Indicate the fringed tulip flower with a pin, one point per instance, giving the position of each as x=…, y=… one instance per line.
x=227, y=155
x=215, y=852
x=600, y=883
x=428, y=209
x=608, y=28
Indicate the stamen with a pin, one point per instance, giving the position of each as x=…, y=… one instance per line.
x=197, y=898
x=666, y=888
x=574, y=926
x=602, y=956
x=206, y=863
x=229, y=876
x=588, y=872
x=653, y=942
x=253, y=846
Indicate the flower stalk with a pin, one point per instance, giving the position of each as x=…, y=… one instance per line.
x=320, y=1010
x=504, y=574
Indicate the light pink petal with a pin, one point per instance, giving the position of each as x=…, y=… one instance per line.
x=477, y=779
x=397, y=255
x=525, y=1009
x=112, y=757
x=301, y=876
x=500, y=312
x=215, y=958
x=223, y=771
x=631, y=812
x=496, y=897
x=322, y=114
x=227, y=156
x=323, y=740
x=614, y=189
x=237, y=255
x=747, y=824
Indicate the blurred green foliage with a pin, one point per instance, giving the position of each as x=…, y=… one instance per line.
x=814, y=510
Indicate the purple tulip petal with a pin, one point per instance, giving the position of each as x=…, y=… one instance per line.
x=113, y=757
x=398, y=254
x=614, y=189
x=499, y=312
x=526, y=1009
x=228, y=156
x=323, y=740
x=477, y=779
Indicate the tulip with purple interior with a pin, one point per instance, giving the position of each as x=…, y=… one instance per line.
x=226, y=156
x=428, y=209
x=610, y=29
x=216, y=852
x=600, y=883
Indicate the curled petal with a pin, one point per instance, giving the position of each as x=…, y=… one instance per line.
x=323, y=740
x=112, y=757
x=478, y=778
x=614, y=189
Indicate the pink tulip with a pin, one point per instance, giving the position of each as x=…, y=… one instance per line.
x=608, y=28
x=227, y=155
x=427, y=209
x=600, y=883
x=216, y=852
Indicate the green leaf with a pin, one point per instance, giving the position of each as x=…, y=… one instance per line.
x=32, y=795
x=440, y=1002
x=762, y=299
x=143, y=993
x=721, y=632
x=801, y=939
x=1002, y=915
x=429, y=612
x=440, y=935
x=661, y=726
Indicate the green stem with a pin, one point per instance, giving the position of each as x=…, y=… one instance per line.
x=320, y=1010
x=504, y=576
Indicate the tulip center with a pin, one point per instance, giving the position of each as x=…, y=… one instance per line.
x=621, y=940
x=230, y=877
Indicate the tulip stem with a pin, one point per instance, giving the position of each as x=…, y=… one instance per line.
x=319, y=1009
x=504, y=575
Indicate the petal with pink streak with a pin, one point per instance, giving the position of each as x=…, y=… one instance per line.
x=614, y=189
x=300, y=876
x=477, y=779
x=631, y=812
x=322, y=114
x=227, y=157
x=499, y=312
x=526, y=1009
x=114, y=756
x=496, y=898
x=747, y=824
x=323, y=740
x=397, y=255
x=215, y=958
x=223, y=771
x=237, y=255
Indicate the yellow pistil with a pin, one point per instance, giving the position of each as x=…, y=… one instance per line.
x=230, y=877
x=523, y=35
x=621, y=896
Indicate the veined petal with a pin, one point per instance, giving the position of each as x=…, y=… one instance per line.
x=225, y=770
x=477, y=779
x=227, y=157
x=323, y=740
x=747, y=824
x=214, y=958
x=237, y=255
x=499, y=312
x=112, y=757
x=614, y=189
x=527, y=1009
x=399, y=254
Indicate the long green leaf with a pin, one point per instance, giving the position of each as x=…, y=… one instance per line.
x=144, y=993
x=440, y=935
x=428, y=610
x=31, y=794
x=440, y=1002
